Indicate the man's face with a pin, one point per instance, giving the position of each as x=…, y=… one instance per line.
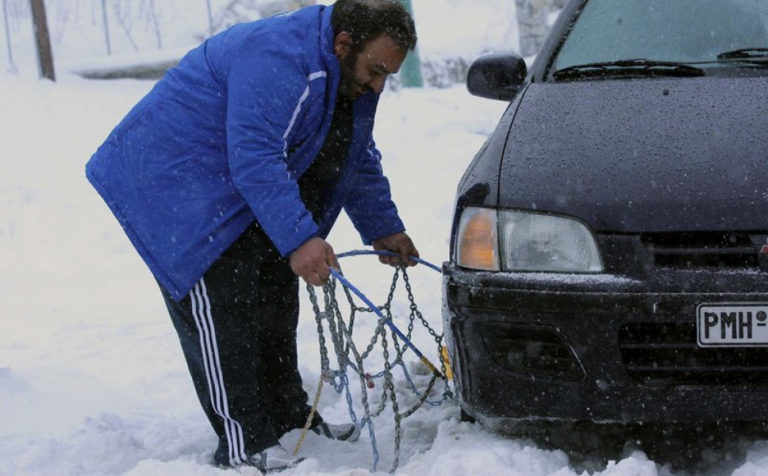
x=369, y=68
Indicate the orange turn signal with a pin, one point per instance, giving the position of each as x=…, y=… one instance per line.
x=477, y=244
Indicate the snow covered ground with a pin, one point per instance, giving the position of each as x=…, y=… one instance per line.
x=92, y=379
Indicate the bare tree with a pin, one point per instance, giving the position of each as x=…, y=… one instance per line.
x=237, y=11
x=122, y=11
x=11, y=65
x=42, y=40
x=154, y=20
x=106, y=25
x=532, y=18
x=61, y=14
x=210, y=17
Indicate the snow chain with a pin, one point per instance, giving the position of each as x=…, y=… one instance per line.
x=348, y=357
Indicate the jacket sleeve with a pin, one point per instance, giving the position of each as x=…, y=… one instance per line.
x=266, y=87
x=369, y=203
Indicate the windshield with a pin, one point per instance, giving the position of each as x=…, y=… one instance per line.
x=682, y=31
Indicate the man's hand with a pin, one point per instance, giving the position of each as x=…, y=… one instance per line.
x=312, y=261
x=401, y=244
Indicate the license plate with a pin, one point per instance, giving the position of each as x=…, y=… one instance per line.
x=732, y=325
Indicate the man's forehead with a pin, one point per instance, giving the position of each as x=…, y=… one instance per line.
x=383, y=54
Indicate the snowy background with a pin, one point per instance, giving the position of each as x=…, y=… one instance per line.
x=92, y=379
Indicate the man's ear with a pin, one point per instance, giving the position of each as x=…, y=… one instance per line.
x=342, y=45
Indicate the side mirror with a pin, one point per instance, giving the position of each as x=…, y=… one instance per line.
x=497, y=76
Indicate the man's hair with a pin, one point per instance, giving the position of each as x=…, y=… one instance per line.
x=366, y=20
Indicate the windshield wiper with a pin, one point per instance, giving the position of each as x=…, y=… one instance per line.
x=745, y=53
x=629, y=67
x=753, y=57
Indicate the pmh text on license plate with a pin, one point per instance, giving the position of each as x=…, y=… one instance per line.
x=732, y=325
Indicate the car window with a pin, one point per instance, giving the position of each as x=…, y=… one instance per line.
x=663, y=30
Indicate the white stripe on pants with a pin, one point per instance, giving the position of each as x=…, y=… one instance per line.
x=201, y=310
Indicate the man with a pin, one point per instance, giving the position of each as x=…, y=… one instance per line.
x=228, y=176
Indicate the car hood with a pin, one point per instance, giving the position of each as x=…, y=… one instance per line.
x=642, y=155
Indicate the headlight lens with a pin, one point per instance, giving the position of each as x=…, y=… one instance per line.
x=528, y=242
x=540, y=242
x=476, y=242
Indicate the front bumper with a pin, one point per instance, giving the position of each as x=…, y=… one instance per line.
x=599, y=348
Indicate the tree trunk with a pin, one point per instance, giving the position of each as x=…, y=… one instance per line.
x=105, y=20
x=42, y=40
x=532, y=18
x=11, y=65
x=155, y=24
x=210, y=17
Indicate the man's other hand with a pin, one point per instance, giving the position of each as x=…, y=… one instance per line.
x=312, y=261
x=399, y=243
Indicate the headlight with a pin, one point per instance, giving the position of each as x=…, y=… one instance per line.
x=476, y=243
x=539, y=242
x=528, y=242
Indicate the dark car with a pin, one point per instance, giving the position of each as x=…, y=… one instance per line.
x=609, y=251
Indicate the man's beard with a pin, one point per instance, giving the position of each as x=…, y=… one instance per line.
x=349, y=86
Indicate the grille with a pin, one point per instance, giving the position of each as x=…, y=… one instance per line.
x=701, y=250
x=536, y=351
x=666, y=354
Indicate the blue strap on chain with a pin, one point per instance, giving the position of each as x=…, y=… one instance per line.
x=388, y=253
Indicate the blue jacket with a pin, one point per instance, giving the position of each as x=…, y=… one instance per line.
x=222, y=139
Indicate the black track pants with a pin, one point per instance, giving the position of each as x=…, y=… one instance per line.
x=237, y=328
